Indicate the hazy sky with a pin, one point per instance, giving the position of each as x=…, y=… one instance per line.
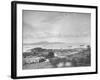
x=56, y=27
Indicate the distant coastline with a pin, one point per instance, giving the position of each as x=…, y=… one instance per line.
x=53, y=45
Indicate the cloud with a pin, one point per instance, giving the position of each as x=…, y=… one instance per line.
x=55, y=26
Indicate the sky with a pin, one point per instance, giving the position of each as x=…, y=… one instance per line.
x=50, y=26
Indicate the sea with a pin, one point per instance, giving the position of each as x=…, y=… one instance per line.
x=27, y=47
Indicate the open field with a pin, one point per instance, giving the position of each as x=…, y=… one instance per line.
x=37, y=65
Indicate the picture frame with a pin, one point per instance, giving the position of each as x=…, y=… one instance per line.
x=33, y=24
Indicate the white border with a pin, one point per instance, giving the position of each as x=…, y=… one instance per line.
x=34, y=72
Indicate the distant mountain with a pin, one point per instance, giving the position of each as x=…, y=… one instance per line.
x=54, y=43
x=44, y=43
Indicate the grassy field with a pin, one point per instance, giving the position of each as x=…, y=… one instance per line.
x=37, y=65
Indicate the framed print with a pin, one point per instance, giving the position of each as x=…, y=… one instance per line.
x=50, y=39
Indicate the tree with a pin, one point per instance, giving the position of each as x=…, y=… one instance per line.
x=50, y=55
x=88, y=47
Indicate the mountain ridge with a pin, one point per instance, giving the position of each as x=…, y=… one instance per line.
x=46, y=43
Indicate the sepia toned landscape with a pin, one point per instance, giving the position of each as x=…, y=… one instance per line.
x=55, y=39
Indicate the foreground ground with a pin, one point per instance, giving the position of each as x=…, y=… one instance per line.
x=75, y=58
